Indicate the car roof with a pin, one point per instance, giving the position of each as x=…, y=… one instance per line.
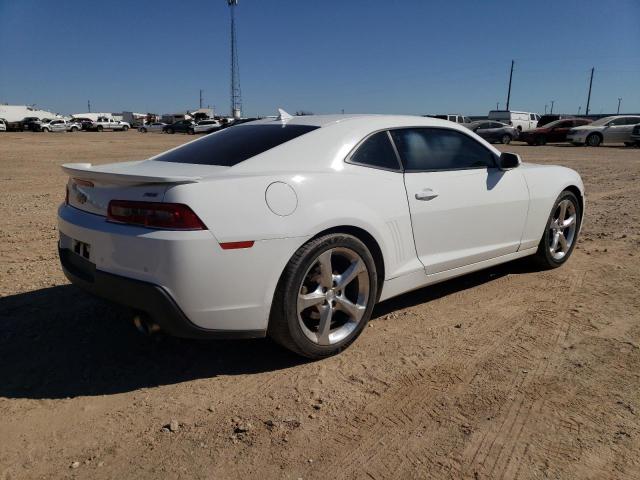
x=355, y=119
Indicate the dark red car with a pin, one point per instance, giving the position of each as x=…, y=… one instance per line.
x=552, y=132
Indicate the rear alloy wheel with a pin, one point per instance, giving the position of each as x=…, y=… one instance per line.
x=541, y=140
x=325, y=296
x=561, y=232
x=594, y=140
x=506, y=139
x=74, y=129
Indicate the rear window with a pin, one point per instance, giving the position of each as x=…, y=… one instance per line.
x=233, y=145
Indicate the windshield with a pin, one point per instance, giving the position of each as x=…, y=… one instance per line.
x=554, y=124
x=233, y=145
x=601, y=122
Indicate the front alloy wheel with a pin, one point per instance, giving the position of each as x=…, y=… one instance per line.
x=325, y=296
x=561, y=231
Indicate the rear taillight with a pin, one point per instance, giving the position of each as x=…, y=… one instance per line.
x=172, y=216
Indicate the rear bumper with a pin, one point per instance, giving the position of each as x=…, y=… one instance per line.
x=140, y=296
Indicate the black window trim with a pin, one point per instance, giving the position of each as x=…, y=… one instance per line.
x=404, y=170
x=401, y=167
x=349, y=158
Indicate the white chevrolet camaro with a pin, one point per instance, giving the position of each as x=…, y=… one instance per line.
x=294, y=227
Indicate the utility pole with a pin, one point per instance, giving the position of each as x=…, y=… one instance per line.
x=510, y=78
x=552, y=102
x=579, y=108
x=200, y=98
x=589, y=96
x=497, y=105
x=545, y=108
x=619, y=101
x=89, y=105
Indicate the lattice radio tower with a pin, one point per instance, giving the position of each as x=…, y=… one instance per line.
x=236, y=96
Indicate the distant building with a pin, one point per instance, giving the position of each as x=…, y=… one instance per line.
x=15, y=113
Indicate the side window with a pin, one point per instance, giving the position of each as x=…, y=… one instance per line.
x=532, y=116
x=377, y=152
x=617, y=122
x=633, y=120
x=426, y=149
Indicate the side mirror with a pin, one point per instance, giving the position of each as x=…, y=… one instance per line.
x=507, y=161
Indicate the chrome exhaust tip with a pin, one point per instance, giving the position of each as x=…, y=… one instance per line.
x=144, y=325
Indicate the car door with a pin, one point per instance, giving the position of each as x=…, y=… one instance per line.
x=614, y=132
x=463, y=209
x=484, y=130
x=559, y=132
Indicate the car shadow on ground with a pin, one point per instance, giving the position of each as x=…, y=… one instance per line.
x=60, y=342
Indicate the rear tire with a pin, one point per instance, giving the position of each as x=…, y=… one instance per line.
x=74, y=129
x=125, y=128
x=541, y=140
x=629, y=144
x=191, y=131
x=506, y=139
x=560, y=232
x=315, y=315
x=143, y=130
x=594, y=140
x=170, y=131
x=99, y=128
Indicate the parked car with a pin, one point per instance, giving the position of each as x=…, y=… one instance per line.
x=456, y=118
x=522, y=121
x=31, y=124
x=152, y=127
x=552, y=132
x=74, y=125
x=181, y=126
x=614, y=129
x=3, y=125
x=55, y=125
x=295, y=229
x=635, y=136
x=552, y=117
x=493, y=131
x=206, y=126
x=106, y=123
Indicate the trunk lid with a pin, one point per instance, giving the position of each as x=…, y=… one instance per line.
x=90, y=188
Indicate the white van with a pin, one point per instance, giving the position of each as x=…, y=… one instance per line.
x=522, y=121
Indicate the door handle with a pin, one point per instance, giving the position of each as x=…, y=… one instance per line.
x=426, y=194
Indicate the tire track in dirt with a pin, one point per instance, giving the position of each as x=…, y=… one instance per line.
x=490, y=455
x=404, y=407
x=373, y=438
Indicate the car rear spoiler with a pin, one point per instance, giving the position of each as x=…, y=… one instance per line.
x=117, y=173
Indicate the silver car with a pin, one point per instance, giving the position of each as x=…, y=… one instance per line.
x=155, y=127
x=615, y=129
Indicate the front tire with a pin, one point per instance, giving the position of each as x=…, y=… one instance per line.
x=170, y=131
x=560, y=232
x=541, y=140
x=325, y=296
x=594, y=140
x=99, y=129
x=506, y=139
x=125, y=128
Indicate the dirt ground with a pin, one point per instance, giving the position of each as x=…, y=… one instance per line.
x=506, y=373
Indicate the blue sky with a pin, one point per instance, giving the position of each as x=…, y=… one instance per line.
x=367, y=56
